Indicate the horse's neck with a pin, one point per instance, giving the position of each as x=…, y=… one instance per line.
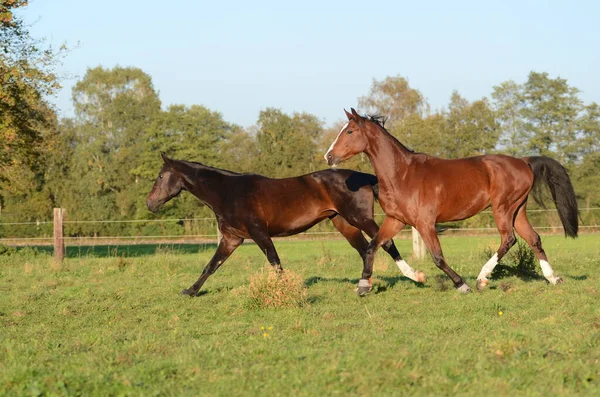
x=388, y=156
x=203, y=182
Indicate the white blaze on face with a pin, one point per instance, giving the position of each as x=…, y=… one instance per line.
x=334, y=142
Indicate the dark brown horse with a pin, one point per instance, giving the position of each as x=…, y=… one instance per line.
x=420, y=190
x=256, y=207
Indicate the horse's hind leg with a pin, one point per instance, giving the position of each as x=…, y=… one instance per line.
x=504, y=223
x=352, y=234
x=370, y=227
x=430, y=238
x=526, y=231
x=505, y=215
x=227, y=245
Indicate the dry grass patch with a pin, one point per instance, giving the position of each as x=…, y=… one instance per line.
x=274, y=289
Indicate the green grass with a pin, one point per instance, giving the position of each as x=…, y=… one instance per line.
x=112, y=325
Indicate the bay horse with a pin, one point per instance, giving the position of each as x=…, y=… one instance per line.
x=251, y=206
x=421, y=190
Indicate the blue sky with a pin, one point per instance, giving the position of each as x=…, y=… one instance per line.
x=238, y=57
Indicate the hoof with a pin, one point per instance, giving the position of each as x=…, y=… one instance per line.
x=464, y=289
x=362, y=291
x=556, y=280
x=364, y=287
x=421, y=277
x=188, y=292
x=481, y=284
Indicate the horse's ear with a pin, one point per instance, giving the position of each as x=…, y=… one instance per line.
x=357, y=117
x=349, y=115
x=166, y=159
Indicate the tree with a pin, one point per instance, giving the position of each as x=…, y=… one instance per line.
x=239, y=152
x=114, y=109
x=286, y=144
x=587, y=169
x=508, y=105
x=394, y=98
x=27, y=121
x=470, y=128
x=551, y=108
x=193, y=133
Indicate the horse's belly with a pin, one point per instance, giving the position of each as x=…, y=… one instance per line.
x=457, y=212
x=289, y=227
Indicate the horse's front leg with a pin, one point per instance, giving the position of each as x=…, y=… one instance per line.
x=261, y=237
x=389, y=228
x=227, y=245
x=430, y=238
x=371, y=228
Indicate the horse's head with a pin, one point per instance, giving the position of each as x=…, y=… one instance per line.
x=351, y=140
x=168, y=185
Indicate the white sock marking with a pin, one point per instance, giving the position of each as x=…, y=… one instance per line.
x=407, y=270
x=546, y=268
x=488, y=268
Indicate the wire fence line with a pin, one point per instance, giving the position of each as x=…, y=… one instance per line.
x=203, y=232
x=213, y=218
x=215, y=236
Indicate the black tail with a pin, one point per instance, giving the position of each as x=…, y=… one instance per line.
x=551, y=173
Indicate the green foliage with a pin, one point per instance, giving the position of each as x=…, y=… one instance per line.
x=102, y=163
x=520, y=261
x=551, y=111
x=470, y=128
x=286, y=144
x=27, y=120
x=508, y=106
x=7, y=250
x=465, y=129
x=394, y=98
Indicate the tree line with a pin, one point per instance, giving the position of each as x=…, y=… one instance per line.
x=101, y=163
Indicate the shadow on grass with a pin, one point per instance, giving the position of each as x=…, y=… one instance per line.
x=133, y=250
x=388, y=282
x=317, y=279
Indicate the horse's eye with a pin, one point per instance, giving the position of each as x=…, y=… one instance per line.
x=160, y=176
x=349, y=132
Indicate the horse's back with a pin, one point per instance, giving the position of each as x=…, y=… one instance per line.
x=477, y=167
x=291, y=205
x=463, y=187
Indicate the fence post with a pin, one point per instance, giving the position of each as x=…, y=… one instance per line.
x=418, y=245
x=59, y=241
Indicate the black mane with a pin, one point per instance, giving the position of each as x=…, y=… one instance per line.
x=380, y=121
x=199, y=166
x=377, y=119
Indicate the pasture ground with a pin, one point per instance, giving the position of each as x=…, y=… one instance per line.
x=104, y=324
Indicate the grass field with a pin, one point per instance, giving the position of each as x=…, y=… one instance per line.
x=106, y=324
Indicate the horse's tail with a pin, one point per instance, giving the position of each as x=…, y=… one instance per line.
x=551, y=173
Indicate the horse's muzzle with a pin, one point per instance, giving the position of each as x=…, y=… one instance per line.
x=332, y=161
x=150, y=206
x=153, y=205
